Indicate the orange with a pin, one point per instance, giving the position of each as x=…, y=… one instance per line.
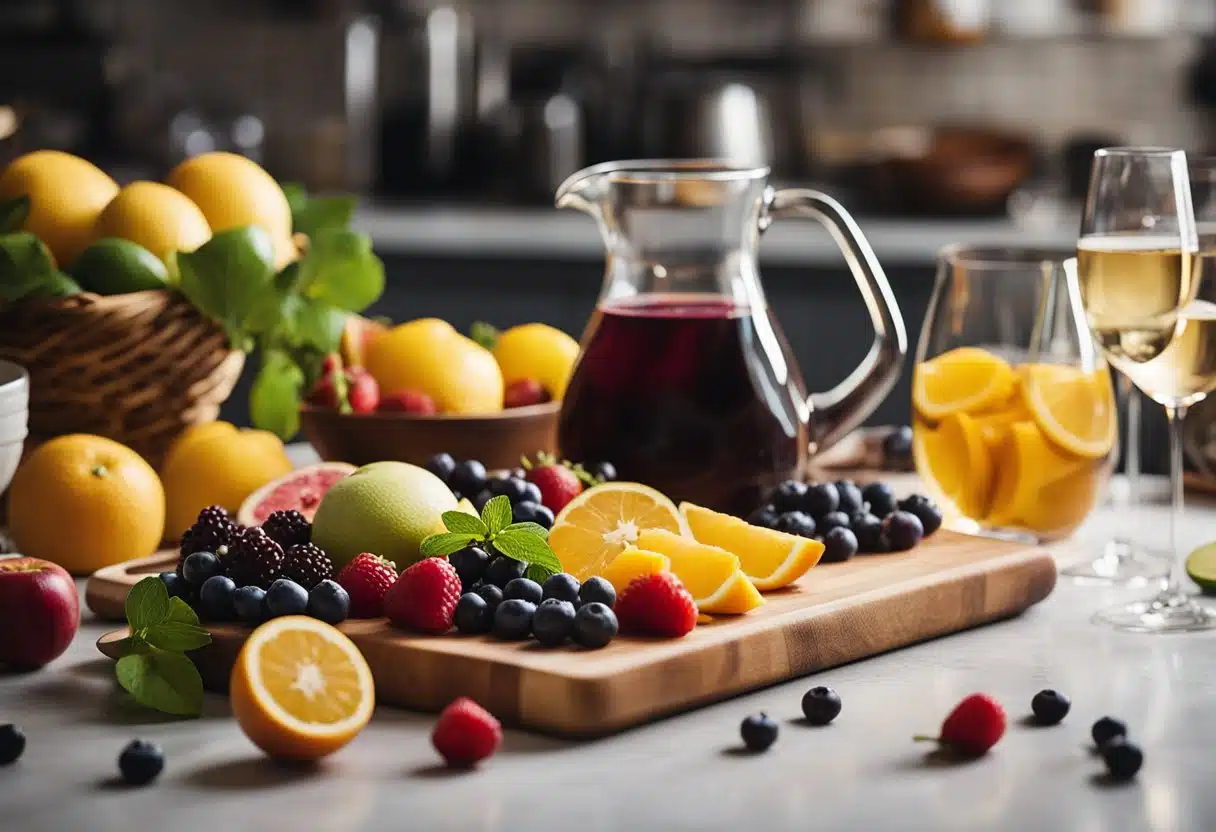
x=633, y=563
x=1075, y=409
x=1029, y=467
x=598, y=524
x=957, y=457
x=216, y=464
x=300, y=689
x=428, y=355
x=159, y=218
x=539, y=352
x=710, y=574
x=85, y=502
x=966, y=379
x=770, y=559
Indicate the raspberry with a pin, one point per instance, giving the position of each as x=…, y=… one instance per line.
x=367, y=579
x=466, y=733
x=213, y=529
x=307, y=564
x=287, y=528
x=656, y=605
x=254, y=559
x=424, y=598
x=975, y=725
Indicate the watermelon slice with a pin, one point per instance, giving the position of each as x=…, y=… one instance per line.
x=302, y=490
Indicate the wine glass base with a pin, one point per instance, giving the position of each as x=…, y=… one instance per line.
x=1163, y=614
x=1121, y=564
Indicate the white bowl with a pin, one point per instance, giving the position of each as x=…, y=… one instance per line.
x=14, y=387
x=10, y=456
x=14, y=426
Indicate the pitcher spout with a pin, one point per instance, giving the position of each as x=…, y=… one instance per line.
x=582, y=191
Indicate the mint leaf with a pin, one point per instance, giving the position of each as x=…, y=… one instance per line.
x=147, y=604
x=533, y=528
x=13, y=213
x=177, y=636
x=539, y=573
x=341, y=269
x=274, y=400
x=179, y=610
x=229, y=278
x=439, y=545
x=167, y=682
x=527, y=547
x=484, y=334
x=458, y=521
x=496, y=514
x=25, y=265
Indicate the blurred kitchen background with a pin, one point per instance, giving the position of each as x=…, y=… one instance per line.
x=933, y=121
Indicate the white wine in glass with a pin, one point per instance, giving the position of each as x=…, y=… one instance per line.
x=1186, y=371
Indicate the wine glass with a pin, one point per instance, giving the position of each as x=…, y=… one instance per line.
x=1137, y=276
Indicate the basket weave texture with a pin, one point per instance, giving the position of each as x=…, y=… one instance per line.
x=139, y=368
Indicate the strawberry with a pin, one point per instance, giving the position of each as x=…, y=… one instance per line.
x=424, y=597
x=367, y=579
x=559, y=483
x=409, y=401
x=330, y=364
x=324, y=393
x=656, y=605
x=524, y=392
x=362, y=391
x=466, y=733
x=975, y=725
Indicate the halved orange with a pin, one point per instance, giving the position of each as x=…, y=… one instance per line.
x=300, y=689
x=966, y=379
x=711, y=575
x=598, y=524
x=633, y=563
x=1075, y=409
x=770, y=559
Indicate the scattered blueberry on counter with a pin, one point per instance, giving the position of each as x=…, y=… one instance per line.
x=820, y=705
x=12, y=744
x=1049, y=707
x=141, y=762
x=759, y=732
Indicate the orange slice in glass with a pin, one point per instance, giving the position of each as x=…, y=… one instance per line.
x=1027, y=464
x=711, y=575
x=770, y=559
x=1075, y=409
x=967, y=379
x=598, y=524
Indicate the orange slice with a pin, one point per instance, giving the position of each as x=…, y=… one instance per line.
x=769, y=558
x=1027, y=463
x=967, y=379
x=735, y=597
x=958, y=458
x=598, y=524
x=710, y=574
x=1075, y=409
x=300, y=689
x=633, y=563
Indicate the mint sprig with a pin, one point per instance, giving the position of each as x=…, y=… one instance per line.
x=524, y=542
x=154, y=667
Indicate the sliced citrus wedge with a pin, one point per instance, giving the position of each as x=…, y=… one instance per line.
x=769, y=558
x=735, y=597
x=633, y=563
x=1075, y=409
x=710, y=574
x=598, y=524
x=300, y=689
x=1027, y=464
x=967, y=379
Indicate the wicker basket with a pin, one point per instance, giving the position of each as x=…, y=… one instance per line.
x=138, y=368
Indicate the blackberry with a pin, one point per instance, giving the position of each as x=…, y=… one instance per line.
x=212, y=529
x=254, y=559
x=307, y=564
x=288, y=528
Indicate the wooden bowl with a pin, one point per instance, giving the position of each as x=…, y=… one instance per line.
x=498, y=440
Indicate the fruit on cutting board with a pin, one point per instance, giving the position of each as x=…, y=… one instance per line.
x=634, y=563
x=539, y=353
x=770, y=559
x=387, y=508
x=299, y=490
x=657, y=605
x=217, y=464
x=300, y=689
x=85, y=502
x=429, y=356
x=711, y=575
x=157, y=217
x=39, y=611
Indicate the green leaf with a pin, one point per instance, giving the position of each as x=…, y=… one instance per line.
x=496, y=514
x=177, y=636
x=147, y=604
x=57, y=285
x=439, y=545
x=323, y=213
x=534, y=528
x=484, y=334
x=527, y=547
x=167, y=682
x=129, y=646
x=274, y=400
x=25, y=265
x=539, y=572
x=180, y=611
x=229, y=279
x=13, y=213
x=314, y=323
x=461, y=523
x=297, y=195
x=341, y=269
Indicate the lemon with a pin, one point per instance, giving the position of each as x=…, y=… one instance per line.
x=539, y=352
x=1201, y=566
x=115, y=267
x=159, y=218
x=967, y=379
x=429, y=356
x=66, y=195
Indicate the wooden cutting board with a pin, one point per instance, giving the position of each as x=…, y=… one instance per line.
x=837, y=613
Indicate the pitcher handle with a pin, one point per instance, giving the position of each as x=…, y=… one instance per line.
x=844, y=407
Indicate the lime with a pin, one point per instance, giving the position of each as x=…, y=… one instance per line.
x=1201, y=566
x=112, y=266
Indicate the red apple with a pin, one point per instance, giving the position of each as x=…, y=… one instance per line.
x=39, y=611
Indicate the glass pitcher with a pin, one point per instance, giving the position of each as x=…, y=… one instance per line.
x=685, y=381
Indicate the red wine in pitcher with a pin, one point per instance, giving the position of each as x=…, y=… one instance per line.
x=690, y=394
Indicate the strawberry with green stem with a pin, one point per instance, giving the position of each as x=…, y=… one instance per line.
x=559, y=482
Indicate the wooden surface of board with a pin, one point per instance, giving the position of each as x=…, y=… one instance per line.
x=837, y=613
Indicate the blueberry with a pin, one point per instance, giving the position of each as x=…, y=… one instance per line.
x=796, y=522
x=880, y=497
x=484, y=496
x=553, y=621
x=839, y=544
x=532, y=494
x=441, y=465
x=141, y=762
x=215, y=598
x=897, y=446
x=902, y=530
x=1122, y=758
x=200, y=566
x=606, y=471
x=868, y=530
x=788, y=496
x=530, y=512
x=850, y=496
x=473, y=615
x=470, y=564
x=509, y=487
x=1107, y=729
x=502, y=570
x=468, y=477
x=329, y=602
x=12, y=744
x=820, y=705
x=1049, y=707
x=513, y=619
x=249, y=602
x=175, y=585
x=525, y=589
x=759, y=732
x=832, y=520
x=492, y=595
x=765, y=517
x=595, y=625
x=926, y=510
x=286, y=597
x=597, y=590
x=562, y=586
x=821, y=498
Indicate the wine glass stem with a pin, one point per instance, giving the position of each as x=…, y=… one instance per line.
x=1132, y=463
x=1175, y=414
